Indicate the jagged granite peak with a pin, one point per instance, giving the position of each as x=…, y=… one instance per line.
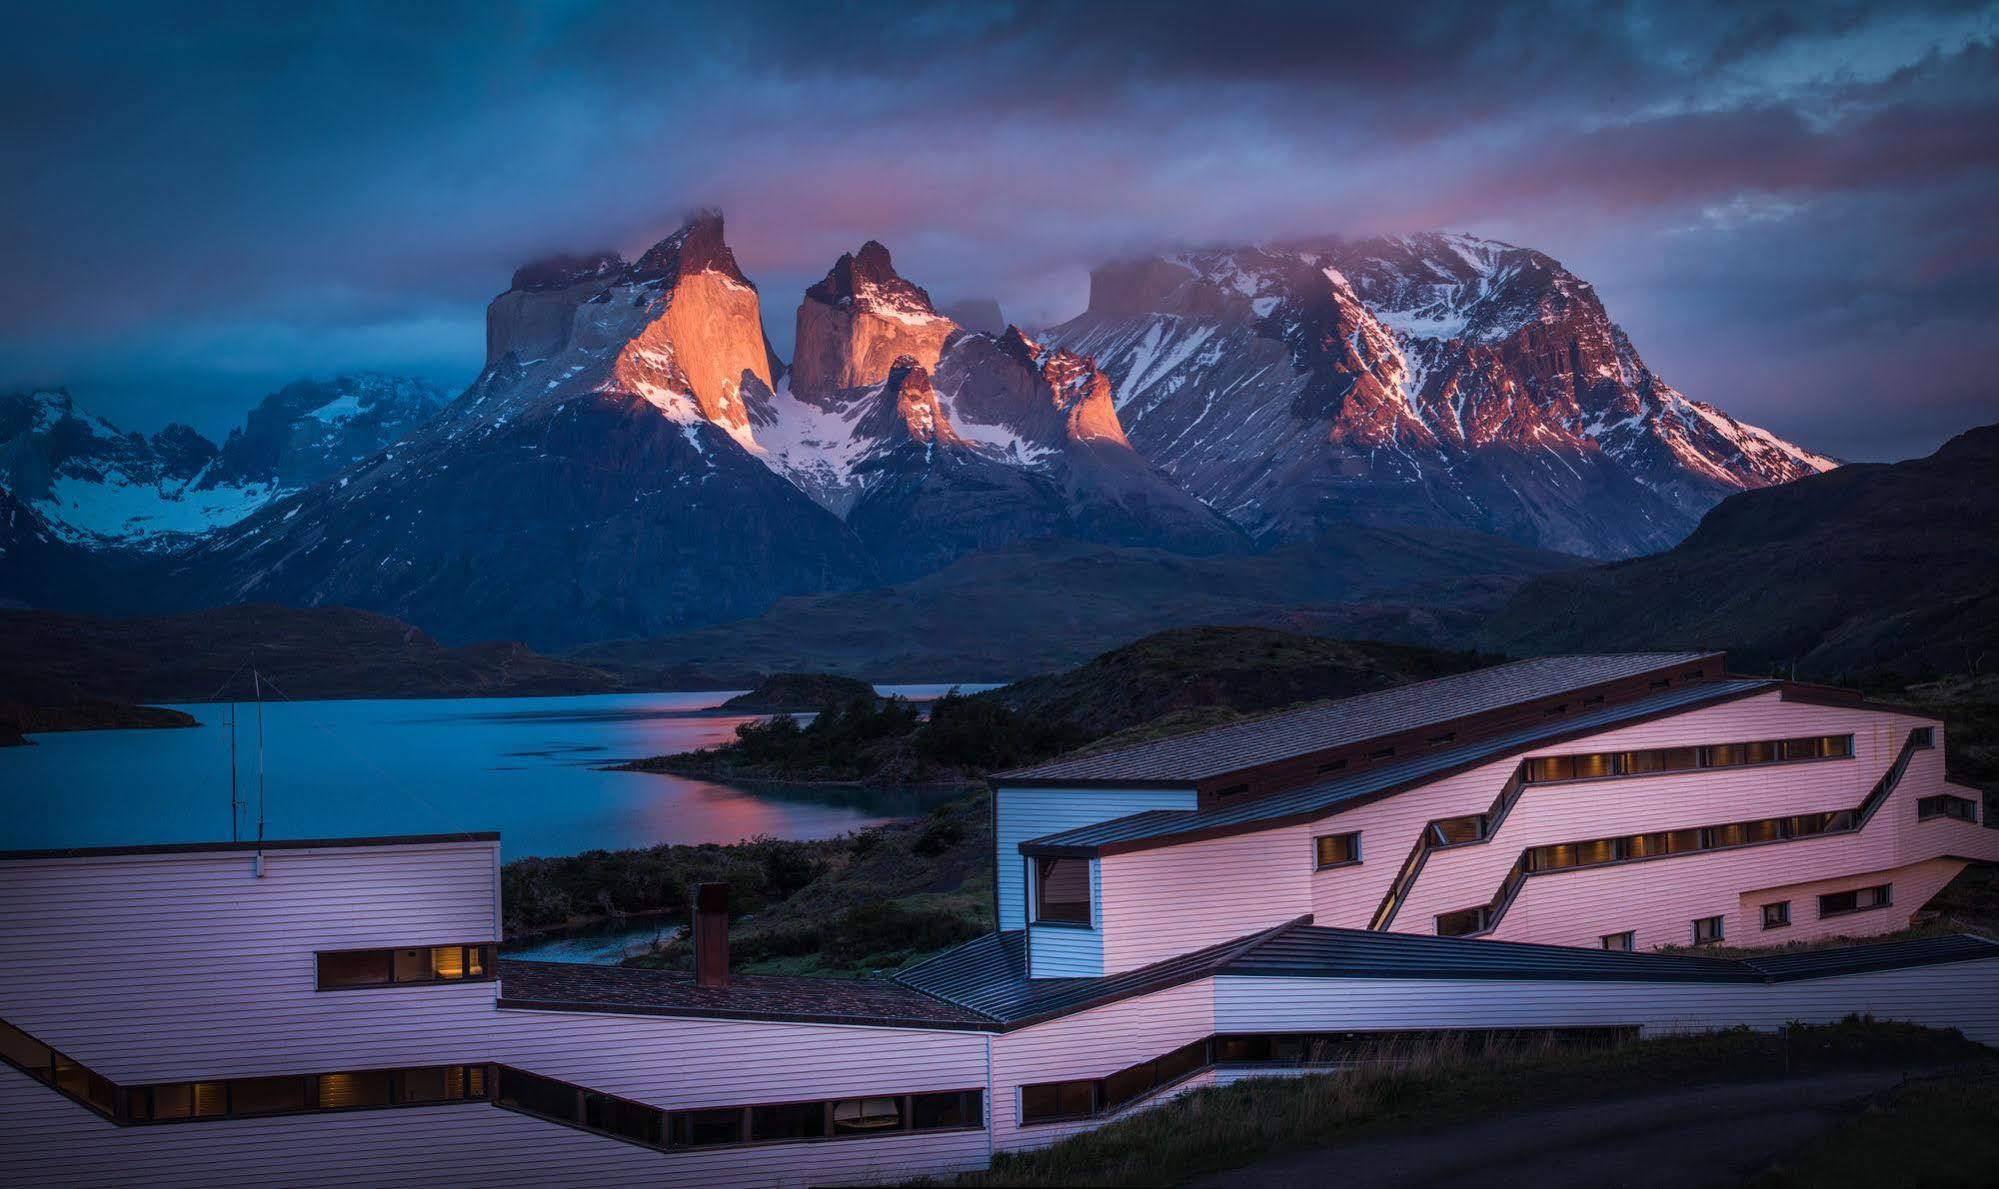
x=681, y=329
x=982, y=314
x=1434, y=379
x=905, y=409
x=857, y=320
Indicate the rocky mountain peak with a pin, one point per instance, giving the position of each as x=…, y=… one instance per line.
x=907, y=409
x=698, y=246
x=562, y=270
x=856, y=321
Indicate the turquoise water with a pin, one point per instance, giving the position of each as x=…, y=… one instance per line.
x=527, y=767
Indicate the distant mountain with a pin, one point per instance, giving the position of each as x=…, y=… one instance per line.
x=1043, y=605
x=594, y=481
x=1871, y=566
x=324, y=653
x=94, y=484
x=1442, y=380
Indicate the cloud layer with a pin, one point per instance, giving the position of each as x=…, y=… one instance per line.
x=1788, y=205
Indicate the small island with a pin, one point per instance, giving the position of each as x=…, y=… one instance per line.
x=801, y=693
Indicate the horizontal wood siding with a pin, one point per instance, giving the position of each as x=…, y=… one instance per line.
x=1159, y=903
x=1024, y=814
x=1962, y=995
x=1913, y=886
x=182, y=967
x=49, y=1140
x=1091, y=1044
x=1057, y=951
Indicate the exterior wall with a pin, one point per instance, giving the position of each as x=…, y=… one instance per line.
x=1913, y=886
x=163, y=968
x=1168, y=901
x=49, y=1140
x=1090, y=1044
x=1961, y=995
x=1658, y=899
x=1034, y=813
x=1062, y=951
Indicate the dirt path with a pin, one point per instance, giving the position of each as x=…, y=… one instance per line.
x=1708, y=1135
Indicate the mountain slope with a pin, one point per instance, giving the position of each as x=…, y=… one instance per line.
x=1437, y=380
x=1042, y=605
x=1892, y=565
x=591, y=483
x=97, y=485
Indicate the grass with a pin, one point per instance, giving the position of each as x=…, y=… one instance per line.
x=1930, y=1132
x=1432, y=1084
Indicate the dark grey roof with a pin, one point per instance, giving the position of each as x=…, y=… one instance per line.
x=1357, y=953
x=1885, y=955
x=1343, y=792
x=1185, y=759
x=989, y=976
x=575, y=986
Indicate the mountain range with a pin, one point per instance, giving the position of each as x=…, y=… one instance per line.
x=634, y=460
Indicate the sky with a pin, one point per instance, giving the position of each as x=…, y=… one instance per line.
x=1790, y=207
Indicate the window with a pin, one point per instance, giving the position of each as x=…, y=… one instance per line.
x=374, y=1087
x=1594, y=765
x=620, y=1117
x=346, y=1090
x=857, y=1115
x=1047, y=1101
x=340, y=969
x=932, y=1112
x=1858, y=900
x=25, y=1051
x=1453, y=830
x=1461, y=922
x=1558, y=708
x=700, y=1129
x=1332, y=766
x=1057, y=1100
x=1944, y=805
x=1777, y=915
x=1624, y=942
x=1062, y=891
x=1925, y=736
x=539, y=1096
x=1383, y=754
x=1337, y=850
x=1545, y=768
x=1708, y=929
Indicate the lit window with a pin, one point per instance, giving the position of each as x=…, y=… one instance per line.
x=1337, y=850
x=340, y=969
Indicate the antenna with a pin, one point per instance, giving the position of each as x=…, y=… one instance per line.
x=258, y=680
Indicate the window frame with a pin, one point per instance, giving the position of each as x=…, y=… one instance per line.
x=1946, y=805
x=1353, y=846
x=1783, y=920
x=1720, y=923
x=471, y=953
x=1629, y=937
x=1037, y=901
x=1884, y=898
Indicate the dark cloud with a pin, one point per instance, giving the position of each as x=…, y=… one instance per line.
x=1785, y=203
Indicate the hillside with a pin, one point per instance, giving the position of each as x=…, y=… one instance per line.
x=1039, y=607
x=885, y=896
x=1868, y=567
x=329, y=652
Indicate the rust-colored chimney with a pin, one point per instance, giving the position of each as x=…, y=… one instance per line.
x=711, y=934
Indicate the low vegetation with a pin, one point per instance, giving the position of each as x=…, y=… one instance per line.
x=1934, y=1131
x=1432, y=1084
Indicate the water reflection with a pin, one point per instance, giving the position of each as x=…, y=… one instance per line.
x=531, y=768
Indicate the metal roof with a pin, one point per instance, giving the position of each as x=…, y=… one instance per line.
x=576, y=986
x=1885, y=955
x=1358, y=953
x=988, y=975
x=189, y=848
x=1185, y=759
x=1342, y=792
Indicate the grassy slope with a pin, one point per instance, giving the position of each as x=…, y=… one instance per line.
x=1936, y=1131
x=1431, y=1085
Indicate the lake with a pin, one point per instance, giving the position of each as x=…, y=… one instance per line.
x=530, y=768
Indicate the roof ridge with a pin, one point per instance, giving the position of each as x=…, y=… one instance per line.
x=1297, y=708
